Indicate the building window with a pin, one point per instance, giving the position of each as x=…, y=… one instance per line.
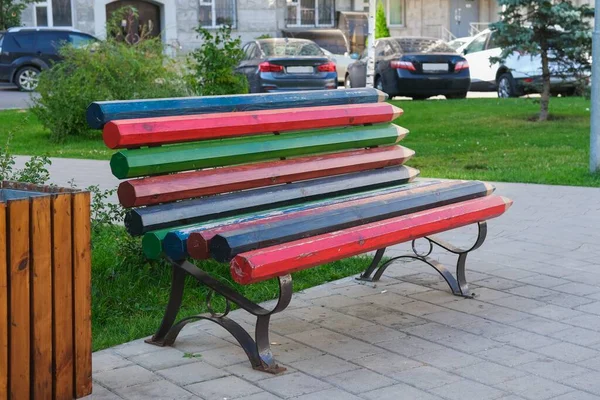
x=216, y=13
x=54, y=13
x=319, y=13
x=395, y=12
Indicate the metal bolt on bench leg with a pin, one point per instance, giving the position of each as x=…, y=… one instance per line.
x=458, y=285
x=259, y=350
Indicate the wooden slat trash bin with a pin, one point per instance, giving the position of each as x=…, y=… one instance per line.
x=45, y=292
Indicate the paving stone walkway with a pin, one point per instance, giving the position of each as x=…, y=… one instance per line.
x=533, y=331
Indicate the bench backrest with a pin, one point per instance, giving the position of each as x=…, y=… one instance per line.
x=223, y=159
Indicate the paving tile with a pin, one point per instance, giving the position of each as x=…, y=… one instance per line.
x=323, y=366
x=388, y=299
x=553, y=369
x=576, y=395
x=224, y=356
x=531, y=291
x=126, y=376
x=287, y=325
x=399, y=320
x=410, y=346
x=503, y=314
x=292, y=385
x=487, y=294
x=465, y=389
x=200, y=341
x=359, y=380
x=585, y=321
x=518, y=303
x=447, y=359
x=509, y=356
x=420, y=308
x=227, y=387
x=568, y=352
x=400, y=391
x=453, y=318
x=499, y=283
x=192, y=373
x=535, y=388
x=336, y=344
x=556, y=312
x=106, y=360
x=135, y=348
x=544, y=281
x=512, y=273
x=159, y=390
x=260, y=396
x=407, y=288
x=101, y=393
x=329, y=394
x=337, y=301
x=388, y=364
x=566, y=300
x=576, y=335
x=374, y=333
x=592, y=363
x=526, y=340
x=426, y=377
x=246, y=372
x=289, y=351
x=579, y=289
x=542, y=326
x=489, y=373
x=166, y=358
x=489, y=329
x=469, y=306
x=435, y=296
x=590, y=308
x=358, y=290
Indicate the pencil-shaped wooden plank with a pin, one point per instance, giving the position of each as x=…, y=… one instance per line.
x=222, y=152
x=101, y=112
x=19, y=316
x=4, y=389
x=258, y=265
x=164, y=130
x=175, y=242
x=153, y=242
x=226, y=245
x=41, y=296
x=198, y=243
x=63, y=295
x=82, y=291
x=146, y=219
x=186, y=185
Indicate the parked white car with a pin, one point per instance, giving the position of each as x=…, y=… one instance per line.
x=518, y=75
x=459, y=44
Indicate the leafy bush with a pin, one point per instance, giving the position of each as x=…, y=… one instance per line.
x=381, y=28
x=213, y=64
x=108, y=70
x=34, y=171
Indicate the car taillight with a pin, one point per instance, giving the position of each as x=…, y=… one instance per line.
x=268, y=67
x=403, y=65
x=328, y=67
x=461, y=65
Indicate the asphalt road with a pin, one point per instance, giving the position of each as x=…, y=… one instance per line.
x=11, y=97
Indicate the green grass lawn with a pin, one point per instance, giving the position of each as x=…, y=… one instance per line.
x=488, y=139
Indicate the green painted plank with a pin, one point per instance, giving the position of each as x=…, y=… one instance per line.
x=216, y=153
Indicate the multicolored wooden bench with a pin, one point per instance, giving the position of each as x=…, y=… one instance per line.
x=273, y=184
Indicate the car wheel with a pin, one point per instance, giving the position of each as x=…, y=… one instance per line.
x=452, y=96
x=347, y=82
x=506, y=86
x=27, y=79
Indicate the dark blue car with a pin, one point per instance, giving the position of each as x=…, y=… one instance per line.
x=273, y=65
x=414, y=67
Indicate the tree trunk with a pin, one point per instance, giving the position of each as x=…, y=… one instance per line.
x=545, y=101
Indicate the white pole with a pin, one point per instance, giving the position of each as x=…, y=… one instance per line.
x=371, y=43
x=595, y=98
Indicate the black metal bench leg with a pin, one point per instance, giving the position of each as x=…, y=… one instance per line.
x=458, y=285
x=258, y=349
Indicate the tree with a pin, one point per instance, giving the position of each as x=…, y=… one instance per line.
x=557, y=31
x=381, y=28
x=10, y=12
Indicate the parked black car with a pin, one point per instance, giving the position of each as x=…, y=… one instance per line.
x=273, y=65
x=25, y=52
x=416, y=67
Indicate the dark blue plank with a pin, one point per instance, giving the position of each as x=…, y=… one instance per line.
x=101, y=112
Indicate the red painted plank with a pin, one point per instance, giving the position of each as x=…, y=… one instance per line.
x=258, y=265
x=167, y=188
x=198, y=244
x=163, y=130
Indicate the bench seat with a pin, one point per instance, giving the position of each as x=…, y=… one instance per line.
x=272, y=184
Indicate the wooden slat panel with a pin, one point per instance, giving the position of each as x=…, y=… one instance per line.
x=187, y=185
x=165, y=130
x=258, y=265
x=218, y=153
x=226, y=245
x=141, y=220
x=82, y=279
x=63, y=295
x=18, y=217
x=41, y=267
x=101, y=112
x=4, y=323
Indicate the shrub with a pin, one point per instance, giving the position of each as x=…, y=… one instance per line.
x=381, y=28
x=213, y=64
x=34, y=171
x=109, y=70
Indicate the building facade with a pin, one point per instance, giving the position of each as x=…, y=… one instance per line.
x=177, y=19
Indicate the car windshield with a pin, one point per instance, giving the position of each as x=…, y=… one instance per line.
x=290, y=48
x=423, y=45
x=456, y=43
